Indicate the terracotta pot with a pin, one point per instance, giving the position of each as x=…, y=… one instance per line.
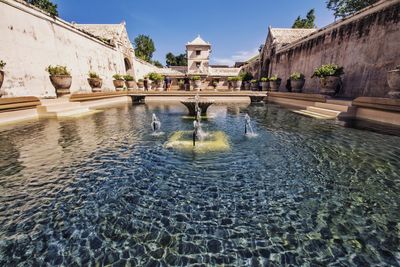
x=297, y=85
x=131, y=84
x=264, y=86
x=118, y=84
x=274, y=85
x=62, y=84
x=95, y=84
x=237, y=85
x=1, y=79
x=329, y=85
x=393, y=79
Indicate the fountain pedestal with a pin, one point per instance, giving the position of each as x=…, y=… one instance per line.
x=202, y=103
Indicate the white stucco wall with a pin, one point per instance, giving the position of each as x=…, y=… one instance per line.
x=142, y=68
x=31, y=40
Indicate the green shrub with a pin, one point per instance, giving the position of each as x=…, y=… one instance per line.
x=128, y=78
x=118, y=77
x=328, y=70
x=2, y=64
x=297, y=76
x=274, y=78
x=140, y=80
x=254, y=81
x=235, y=79
x=181, y=82
x=196, y=78
x=57, y=70
x=156, y=77
x=264, y=79
x=246, y=76
x=93, y=75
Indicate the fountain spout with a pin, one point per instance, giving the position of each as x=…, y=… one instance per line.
x=196, y=126
x=248, y=129
x=155, y=123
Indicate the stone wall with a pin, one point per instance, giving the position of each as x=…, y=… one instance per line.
x=253, y=67
x=367, y=45
x=142, y=68
x=31, y=40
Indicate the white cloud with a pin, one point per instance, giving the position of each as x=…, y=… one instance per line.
x=237, y=57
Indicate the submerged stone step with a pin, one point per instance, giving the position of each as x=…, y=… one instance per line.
x=314, y=114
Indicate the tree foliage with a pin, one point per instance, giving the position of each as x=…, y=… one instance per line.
x=343, y=8
x=157, y=63
x=179, y=60
x=144, y=47
x=45, y=5
x=307, y=22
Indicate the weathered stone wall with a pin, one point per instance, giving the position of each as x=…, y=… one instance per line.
x=30, y=41
x=367, y=45
x=253, y=67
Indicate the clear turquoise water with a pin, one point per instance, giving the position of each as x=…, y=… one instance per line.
x=102, y=190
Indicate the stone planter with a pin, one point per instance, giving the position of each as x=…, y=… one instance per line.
x=264, y=86
x=156, y=86
x=275, y=85
x=131, y=84
x=328, y=85
x=197, y=85
x=393, y=79
x=1, y=80
x=254, y=86
x=62, y=84
x=237, y=85
x=95, y=84
x=297, y=85
x=140, y=86
x=118, y=84
x=247, y=86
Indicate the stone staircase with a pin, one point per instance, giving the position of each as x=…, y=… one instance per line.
x=330, y=110
x=62, y=108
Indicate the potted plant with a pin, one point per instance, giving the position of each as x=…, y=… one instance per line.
x=2, y=65
x=246, y=78
x=393, y=79
x=329, y=78
x=297, y=81
x=95, y=81
x=140, y=84
x=130, y=82
x=118, y=81
x=264, y=83
x=236, y=82
x=181, y=84
x=60, y=78
x=274, y=83
x=156, y=78
x=196, y=82
x=214, y=84
x=254, y=85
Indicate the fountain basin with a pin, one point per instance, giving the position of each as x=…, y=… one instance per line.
x=214, y=141
x=203, y=103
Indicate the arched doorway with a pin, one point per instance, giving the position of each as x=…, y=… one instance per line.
x=128, y=65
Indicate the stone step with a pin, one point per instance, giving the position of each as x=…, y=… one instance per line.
x=342, y=108
x=339, y=102
x=314, y=115
x=324, y=111
x=60, y=107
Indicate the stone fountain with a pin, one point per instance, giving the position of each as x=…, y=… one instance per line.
x=195, y=103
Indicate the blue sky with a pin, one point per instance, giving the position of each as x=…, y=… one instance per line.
x=235, y=28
